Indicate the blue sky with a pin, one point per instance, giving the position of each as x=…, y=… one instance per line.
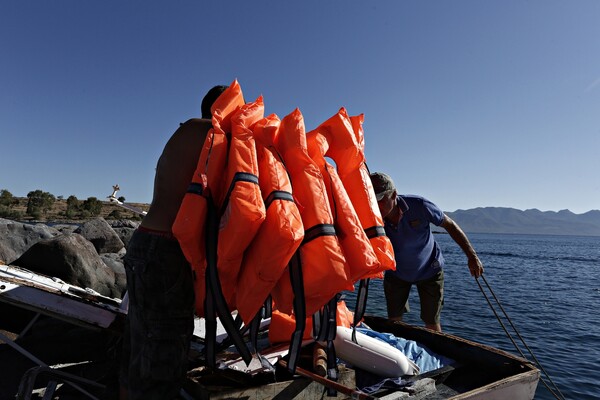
x=469, y=103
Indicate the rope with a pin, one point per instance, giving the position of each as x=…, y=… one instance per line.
x=557, y=394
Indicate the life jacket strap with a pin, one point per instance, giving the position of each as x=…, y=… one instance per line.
x=295, y=268
x=332, y=370
x=317, y=231
x=375, y=231
x=324, y=330
x=254, y=328
x=361, y=304
x=278, y=195
x=238, y=177
x=215, y=301
x=196, y=188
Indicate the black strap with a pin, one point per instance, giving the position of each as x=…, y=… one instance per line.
x=332, y=370
x=238, y=177
x=361, y=304
x=217, y=300
x=278, y=195
x=317, y=231
x=268, y=307
x=254, y=328
x=210, y=318
x=324, y=321
x=375, y=231
x=324, y=330
x=196, y=188
x=295, y=267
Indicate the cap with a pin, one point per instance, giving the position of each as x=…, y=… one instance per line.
x=382, y=184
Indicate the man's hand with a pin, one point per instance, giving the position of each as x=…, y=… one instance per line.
x=475, y=266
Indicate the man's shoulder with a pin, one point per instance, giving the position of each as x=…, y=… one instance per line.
x=415, y=201
x=196, y=123
x=190, y=133
x=194, y=127
x=413, y=198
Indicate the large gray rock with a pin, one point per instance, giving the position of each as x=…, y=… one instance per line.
x=73, y=259
x=124, y=228
x=124, y=234
x=66, y=228
x=123, y=223
x=114, y=261
x=17, y=237
x=102, y=236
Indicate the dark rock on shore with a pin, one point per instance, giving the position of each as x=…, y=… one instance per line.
x=73, y=259
x=102, y=236
x=17, y=237
x=90, y=259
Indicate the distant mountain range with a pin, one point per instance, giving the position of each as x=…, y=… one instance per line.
x=534, y=221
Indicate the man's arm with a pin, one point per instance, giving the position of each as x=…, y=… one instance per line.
x=475, y=266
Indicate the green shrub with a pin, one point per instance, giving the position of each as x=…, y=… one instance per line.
x=39, y=202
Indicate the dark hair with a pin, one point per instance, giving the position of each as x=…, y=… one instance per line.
x=210, y=97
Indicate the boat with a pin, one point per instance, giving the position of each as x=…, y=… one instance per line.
x=478, y=371
x=482, y=372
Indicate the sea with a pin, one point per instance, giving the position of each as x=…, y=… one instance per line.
x=549, y=288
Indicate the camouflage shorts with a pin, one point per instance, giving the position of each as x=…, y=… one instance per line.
x=160, y=317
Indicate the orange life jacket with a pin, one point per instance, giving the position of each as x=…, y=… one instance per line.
x=323, y=264
x=189, y=226
x=358, y=251
x=345, y=137
x=243, y=209
x=279, y=235
x=282, y=325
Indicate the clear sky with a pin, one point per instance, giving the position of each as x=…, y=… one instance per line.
x=469, y=103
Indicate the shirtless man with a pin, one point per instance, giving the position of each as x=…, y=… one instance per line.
x=159, y=278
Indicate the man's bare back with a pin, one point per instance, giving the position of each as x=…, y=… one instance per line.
x=174, y=172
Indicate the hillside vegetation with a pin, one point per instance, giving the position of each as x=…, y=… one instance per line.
x=80, y=210
x=43, y=207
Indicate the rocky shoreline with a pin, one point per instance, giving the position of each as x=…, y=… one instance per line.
x=88, y=254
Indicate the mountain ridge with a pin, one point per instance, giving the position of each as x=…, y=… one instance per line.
x=530, y=221
x=474, y=220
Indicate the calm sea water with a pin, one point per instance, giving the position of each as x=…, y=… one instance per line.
x=548, y=286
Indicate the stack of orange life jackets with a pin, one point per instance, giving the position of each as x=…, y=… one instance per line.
x=267, y=216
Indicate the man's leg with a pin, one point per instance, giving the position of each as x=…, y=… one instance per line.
x=396, y=296
x=160, y=317
x=431, y=294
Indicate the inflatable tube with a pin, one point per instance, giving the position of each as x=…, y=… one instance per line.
x=358, y=251
x=243, y=210
x=372, y=355
x=323, y=264
x=345, y=137
x=279, y=235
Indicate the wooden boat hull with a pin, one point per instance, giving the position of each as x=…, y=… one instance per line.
x=483, y=372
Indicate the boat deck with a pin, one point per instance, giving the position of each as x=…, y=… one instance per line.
x=480, y=372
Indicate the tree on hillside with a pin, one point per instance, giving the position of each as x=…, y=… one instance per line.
x=92, y=205
x=6, y=199
x=115, y=214
x=39, y=202
x=72, y=206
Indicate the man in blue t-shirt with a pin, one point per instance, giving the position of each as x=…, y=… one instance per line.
x=419, y=259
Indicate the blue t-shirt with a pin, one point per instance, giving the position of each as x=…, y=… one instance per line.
x=417, y=254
